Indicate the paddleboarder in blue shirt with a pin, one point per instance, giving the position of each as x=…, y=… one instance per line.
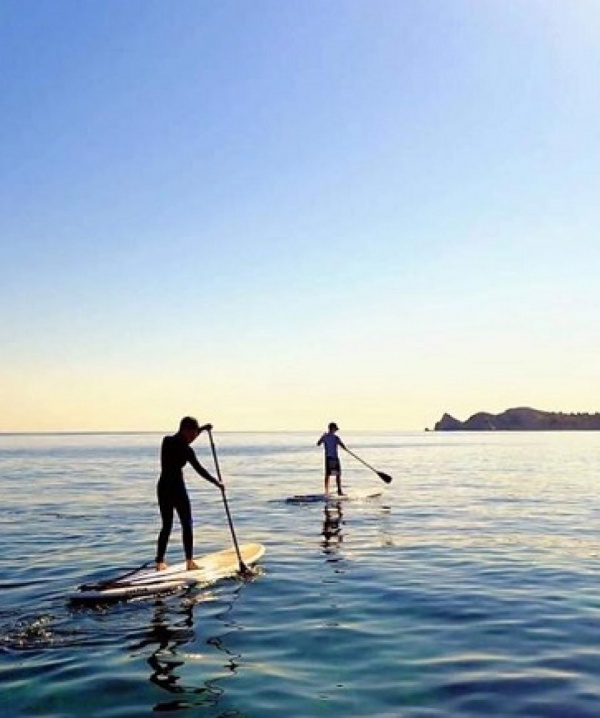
x=330, y=441
x=172, y=494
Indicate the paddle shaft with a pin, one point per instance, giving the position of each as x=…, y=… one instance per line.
x=109, y=582
x=361, y=460
x=381, y=474
x=243, y=567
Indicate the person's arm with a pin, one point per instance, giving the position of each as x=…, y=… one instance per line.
x=320, y=441
x=192, y=459
x=341, y=443
x=205, y=427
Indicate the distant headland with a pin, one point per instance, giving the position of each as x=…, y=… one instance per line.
x=521, y=419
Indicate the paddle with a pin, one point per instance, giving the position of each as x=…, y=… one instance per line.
x=243, y=568
x=109, y=582
x=384, y=477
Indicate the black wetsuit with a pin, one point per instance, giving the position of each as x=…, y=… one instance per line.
x=172, y=494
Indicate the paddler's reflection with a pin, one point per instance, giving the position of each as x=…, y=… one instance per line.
x=172, y=629
x=332, y=526
x=169, y=637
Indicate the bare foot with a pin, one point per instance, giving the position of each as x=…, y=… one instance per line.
x=161, y=566
x=191, y=565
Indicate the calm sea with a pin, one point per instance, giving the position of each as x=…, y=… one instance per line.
x=468, y=588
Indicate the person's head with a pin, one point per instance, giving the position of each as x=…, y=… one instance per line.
x=189, y=428
x=333, y=426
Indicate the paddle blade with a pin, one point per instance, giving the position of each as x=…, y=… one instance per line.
x=384, y=477
x=247, y=573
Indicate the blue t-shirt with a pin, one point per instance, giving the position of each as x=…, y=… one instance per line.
x=331, y=443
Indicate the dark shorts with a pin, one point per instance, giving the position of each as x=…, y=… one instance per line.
x=332, y=466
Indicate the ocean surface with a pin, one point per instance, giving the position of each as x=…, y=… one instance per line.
x=469, y=587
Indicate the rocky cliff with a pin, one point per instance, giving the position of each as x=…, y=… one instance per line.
x=521, y=419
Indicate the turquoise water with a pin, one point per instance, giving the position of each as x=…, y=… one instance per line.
x=468, y=588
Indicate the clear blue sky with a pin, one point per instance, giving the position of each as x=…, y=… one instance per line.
x=276, y=214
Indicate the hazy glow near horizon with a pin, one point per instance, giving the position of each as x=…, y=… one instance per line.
x=273, y=215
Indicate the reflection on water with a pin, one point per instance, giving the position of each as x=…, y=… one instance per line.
x=173, y=635
x=332, y=532
x=165, y=661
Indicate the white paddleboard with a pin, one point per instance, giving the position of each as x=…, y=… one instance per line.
x=349, y=496
x=149, y=582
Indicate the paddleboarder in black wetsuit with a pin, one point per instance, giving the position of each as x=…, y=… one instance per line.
x=175, y=453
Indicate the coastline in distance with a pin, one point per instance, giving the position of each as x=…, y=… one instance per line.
x=521, y=419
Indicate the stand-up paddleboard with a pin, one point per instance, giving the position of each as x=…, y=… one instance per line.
x=320, y=498
x=150, y=582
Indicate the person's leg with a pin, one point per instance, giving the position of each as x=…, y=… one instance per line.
x=326, y=479
x=165, y=505
x=184, y=511
x=338, y=481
